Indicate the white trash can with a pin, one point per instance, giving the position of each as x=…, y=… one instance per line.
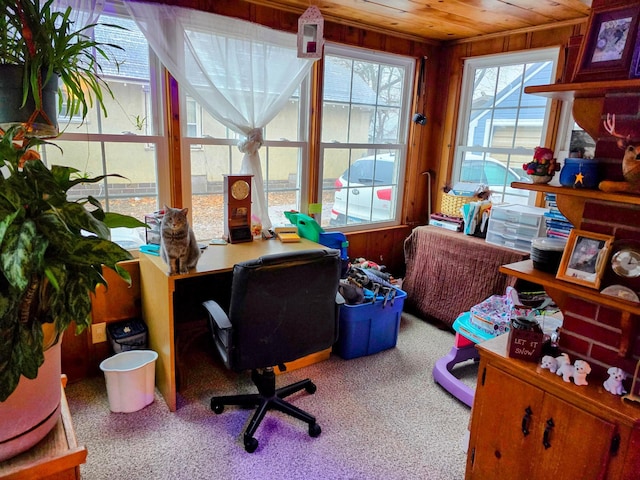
x=130, y=378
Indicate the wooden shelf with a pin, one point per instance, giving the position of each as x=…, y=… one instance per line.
x=56, y=457
x=569, y=91
x=524, y=270
x=580, y=192
x=571, y=201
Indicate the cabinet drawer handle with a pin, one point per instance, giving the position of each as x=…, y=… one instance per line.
x=526, y=420
x=547, y=433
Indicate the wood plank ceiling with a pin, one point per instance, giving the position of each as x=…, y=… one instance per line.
x=441, y=20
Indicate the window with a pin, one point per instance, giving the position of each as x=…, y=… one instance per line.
x=128, y=140
x=499, y=124
x=364, y=116
x=282, y=155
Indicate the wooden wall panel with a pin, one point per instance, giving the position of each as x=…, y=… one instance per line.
x=80, y=356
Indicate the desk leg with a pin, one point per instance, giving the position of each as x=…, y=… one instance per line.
x=157, y=310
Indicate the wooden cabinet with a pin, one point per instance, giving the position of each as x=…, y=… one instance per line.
x=529, y=423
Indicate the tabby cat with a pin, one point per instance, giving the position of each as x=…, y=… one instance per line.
x=178, y=245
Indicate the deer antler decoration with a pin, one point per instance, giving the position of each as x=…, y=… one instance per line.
x=630, y=162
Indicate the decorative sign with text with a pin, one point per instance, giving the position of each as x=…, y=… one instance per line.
x=525, y=344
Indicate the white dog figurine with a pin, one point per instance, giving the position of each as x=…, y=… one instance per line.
x=578, y=371
x=613, y=384
x=562, y=359
x=549, y=363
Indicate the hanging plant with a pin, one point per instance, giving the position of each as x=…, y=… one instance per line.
x=44, y=43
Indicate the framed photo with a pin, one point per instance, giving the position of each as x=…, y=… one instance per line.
x=609, y=44
x=584, y=258
x=634, y=72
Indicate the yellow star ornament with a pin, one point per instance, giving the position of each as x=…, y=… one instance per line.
x=579, y=178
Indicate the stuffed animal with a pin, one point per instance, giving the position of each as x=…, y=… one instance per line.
x=549, y=363
x=613, y=384
x=578, y=371
x=630, y=163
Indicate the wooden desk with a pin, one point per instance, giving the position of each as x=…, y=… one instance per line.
x=56, y=457
x=158, y=288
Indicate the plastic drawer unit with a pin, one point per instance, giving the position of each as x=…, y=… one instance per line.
x=515, y=226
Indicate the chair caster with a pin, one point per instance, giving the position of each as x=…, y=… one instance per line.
x=314, y=430
x=311, y=388
x=217, y=407
x=250, y=444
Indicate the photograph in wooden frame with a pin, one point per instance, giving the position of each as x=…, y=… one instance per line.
x=634, y=72
x=584, y=258
x=609, y=44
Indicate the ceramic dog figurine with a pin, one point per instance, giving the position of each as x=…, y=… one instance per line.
x=561, y=360
x=549, y=363
x=613, y=384
x=578, y=371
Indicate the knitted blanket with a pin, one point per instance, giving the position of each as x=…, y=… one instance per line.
x=449, y=272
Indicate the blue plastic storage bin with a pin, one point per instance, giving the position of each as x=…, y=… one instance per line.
x=369, y=328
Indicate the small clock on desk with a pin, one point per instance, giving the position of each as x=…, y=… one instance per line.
x=237, y=208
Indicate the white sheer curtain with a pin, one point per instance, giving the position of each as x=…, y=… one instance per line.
x=83, y=12
x=240, y=72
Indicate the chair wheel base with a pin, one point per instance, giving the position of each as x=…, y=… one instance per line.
x=250, y=444
x=314, y=430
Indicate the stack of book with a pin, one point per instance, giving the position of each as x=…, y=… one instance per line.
x=557, y=224
x=446, y=221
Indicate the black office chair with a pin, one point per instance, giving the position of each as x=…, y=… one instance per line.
x=283, y=307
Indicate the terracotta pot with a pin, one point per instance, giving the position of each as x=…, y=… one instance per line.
x=33, y=409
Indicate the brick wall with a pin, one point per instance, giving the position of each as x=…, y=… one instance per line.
x=591, y=331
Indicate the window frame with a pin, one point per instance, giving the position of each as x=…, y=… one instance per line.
x=471, y=65
x=404, y=120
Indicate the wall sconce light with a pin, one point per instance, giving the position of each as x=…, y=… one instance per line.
x=310, y=33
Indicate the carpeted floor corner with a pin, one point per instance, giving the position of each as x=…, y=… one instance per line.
x=382, y=417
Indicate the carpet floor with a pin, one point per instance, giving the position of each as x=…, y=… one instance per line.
x=382, y=417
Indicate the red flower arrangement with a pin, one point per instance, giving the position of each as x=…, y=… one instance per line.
x=543, y=164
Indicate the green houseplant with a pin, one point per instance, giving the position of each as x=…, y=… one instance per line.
x=52, y=252
x=53, y=248
x=38, y=46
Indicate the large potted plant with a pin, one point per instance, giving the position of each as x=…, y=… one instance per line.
x=38, y=47
x=53, y=248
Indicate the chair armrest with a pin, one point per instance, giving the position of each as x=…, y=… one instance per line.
x=217, y=315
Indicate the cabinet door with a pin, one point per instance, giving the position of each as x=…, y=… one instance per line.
x=573, y=444
x=505, y=414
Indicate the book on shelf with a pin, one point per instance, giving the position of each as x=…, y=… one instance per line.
x=446, y=218
x=456, y=227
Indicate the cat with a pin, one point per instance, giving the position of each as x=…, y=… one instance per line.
x=178, y=246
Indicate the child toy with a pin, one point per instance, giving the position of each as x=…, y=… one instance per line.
x=578, y=371
x=613, y=384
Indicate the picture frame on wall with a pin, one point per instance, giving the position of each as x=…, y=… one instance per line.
x=584, y=258
x=608, y=48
